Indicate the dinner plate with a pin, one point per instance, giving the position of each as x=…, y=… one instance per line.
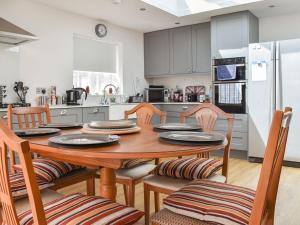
x=195, y=137
x=61, y=125
x=84, y=139
x=178, y=127
x=112, y=124
x=36, y=131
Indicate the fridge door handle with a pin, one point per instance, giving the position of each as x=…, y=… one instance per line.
x=278, y=81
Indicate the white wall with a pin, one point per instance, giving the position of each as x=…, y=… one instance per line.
x=9, y=71
x=49, y=61
x=279, y=28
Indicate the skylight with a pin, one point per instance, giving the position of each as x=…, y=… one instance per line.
x=188, y=7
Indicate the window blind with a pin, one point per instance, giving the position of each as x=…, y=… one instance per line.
x=95, y=56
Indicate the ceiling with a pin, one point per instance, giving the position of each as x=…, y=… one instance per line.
x=129, y=15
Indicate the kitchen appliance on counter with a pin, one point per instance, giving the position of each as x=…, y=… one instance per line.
x=74, y=95
x=195, y=93
x=156, y=93
x=2, y=93
x=229, y=84
x=273, y=84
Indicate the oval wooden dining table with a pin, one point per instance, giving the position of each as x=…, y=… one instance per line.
x=145, y=144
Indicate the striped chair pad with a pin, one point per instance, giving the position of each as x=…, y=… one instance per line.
x=134, y=162
x=212, y=202
x=50, y=169
x=18, y=186
x=188, y=168
x=84, y=210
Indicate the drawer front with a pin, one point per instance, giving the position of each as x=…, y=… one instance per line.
x=66, y=115
x=177, y=108
x=240, y=123
x=3, y=116
x=239, y=140
x=95, y=114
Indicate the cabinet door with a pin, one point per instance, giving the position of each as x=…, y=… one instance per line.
x=157, y=53
x=201, y=46
x=229, y=33
x=66, y=115
x=95, y=114
x=181, y=50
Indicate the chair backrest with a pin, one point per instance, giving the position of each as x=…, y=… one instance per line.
x=206, y=115
x=30, y=116
x=8, y=140
x=267, y=188
x=144, y=113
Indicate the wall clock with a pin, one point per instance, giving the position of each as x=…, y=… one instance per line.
x=101, y=30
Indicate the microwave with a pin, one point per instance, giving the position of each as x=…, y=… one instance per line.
x=156, y=94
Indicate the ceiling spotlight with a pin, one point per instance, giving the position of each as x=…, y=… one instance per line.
x=116, y=2
x=143, y=9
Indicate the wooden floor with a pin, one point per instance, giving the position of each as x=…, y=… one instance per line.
x=242, y=173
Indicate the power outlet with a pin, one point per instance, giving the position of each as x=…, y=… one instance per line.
x=40, y=91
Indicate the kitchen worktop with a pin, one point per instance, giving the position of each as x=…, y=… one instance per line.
x=125, y=103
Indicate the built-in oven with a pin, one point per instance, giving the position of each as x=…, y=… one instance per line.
x=233, y=69
x=230, y=96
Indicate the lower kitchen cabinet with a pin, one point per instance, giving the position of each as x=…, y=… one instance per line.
x=95, y=114
x=66, y=115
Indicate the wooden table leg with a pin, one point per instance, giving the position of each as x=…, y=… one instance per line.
x=108, y=187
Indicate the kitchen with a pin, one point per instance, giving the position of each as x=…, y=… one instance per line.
x=174, y=62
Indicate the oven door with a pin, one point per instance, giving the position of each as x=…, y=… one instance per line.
x=156, y=95
x=231, y=97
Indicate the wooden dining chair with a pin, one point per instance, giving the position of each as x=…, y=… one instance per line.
x=130, y=176
x=31, y=117
x=206, y=115
x=206, y=202
x=71, y=209
x=165, y=178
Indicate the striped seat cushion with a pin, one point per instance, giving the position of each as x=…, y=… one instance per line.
x=134, y=162
x=18, y=186
x=84, y=210
x=49, y=169
x=188, y=168
x=213, y=202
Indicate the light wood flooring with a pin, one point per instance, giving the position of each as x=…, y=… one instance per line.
x=242, y=173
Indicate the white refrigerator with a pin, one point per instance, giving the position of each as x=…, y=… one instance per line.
x=273, y=83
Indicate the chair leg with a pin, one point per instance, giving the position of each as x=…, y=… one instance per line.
x=156, y=202
x=125, y=193
x=147, y=204
x=131, y=194
x=90, y=186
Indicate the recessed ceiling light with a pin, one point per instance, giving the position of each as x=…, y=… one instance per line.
x=143, y=9
x=117, y=2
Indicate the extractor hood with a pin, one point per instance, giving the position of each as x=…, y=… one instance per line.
x=11, y=34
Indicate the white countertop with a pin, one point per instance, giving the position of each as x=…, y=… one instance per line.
x=125, y=103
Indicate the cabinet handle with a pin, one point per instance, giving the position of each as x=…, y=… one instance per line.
x=185, y=107
x=63, y=112
x=96, y=110
x=4, y=116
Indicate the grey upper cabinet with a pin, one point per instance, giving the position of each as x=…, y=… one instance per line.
x=95, y=114
x=66, y=115
x=181, y=50
x=157, y=53
x=232, y=33
x=201, y=42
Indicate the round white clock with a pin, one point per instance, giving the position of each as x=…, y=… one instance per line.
x=101, y=30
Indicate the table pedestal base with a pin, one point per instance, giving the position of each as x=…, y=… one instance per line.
x=108, y=187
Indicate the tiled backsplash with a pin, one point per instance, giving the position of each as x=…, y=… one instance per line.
x=183, y=80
